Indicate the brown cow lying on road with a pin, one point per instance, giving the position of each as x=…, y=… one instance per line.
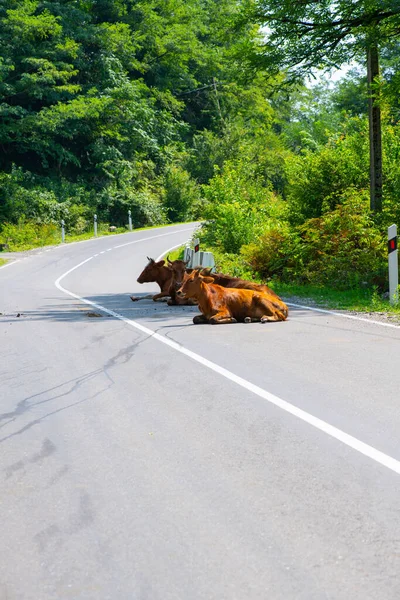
x=169, y=278
x=179, y=274
x=158, y=272
x=235, y=282
x=230, y=305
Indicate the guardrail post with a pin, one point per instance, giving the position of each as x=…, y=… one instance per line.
x=95, y=225
x=130, y=220
x=62, y=231
x=393, y=265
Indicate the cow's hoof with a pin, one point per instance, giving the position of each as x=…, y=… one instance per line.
x=134, y=299
x=247, y=319
x=199, y=320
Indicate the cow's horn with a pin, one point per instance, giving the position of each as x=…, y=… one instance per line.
x=170, y=262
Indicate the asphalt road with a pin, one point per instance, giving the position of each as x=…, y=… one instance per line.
x=246, y=462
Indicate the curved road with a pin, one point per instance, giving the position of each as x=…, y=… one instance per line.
x=145, y=458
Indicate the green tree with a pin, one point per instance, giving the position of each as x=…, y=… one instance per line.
x=301, y=36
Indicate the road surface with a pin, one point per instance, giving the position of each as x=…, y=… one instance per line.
x=145, y=458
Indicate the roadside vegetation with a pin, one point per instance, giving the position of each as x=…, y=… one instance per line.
x=178, y=111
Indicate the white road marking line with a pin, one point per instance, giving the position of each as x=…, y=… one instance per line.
x=350, y=441
x=95, y=239
x=336, y=314
x=154, y=236
x=11, y=263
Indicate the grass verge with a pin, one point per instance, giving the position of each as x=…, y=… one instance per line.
x=34, y=237
x=358, y=300
x=2, y=262
x=176, y=254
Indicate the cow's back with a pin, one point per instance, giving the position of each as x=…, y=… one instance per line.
x=236, y=282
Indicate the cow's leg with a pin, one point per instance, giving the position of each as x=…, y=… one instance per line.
x=252, y=319
x=277, y=316
x=268, y=311
x=200, y=320
x=159, y=296
x=221, y=318
x=134, y=299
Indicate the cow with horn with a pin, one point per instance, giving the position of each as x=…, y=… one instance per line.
x=179, y=275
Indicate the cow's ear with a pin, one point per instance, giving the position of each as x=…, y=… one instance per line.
x=208, y=279
x=160, y=263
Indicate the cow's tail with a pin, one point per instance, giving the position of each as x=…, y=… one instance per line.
x=281, y=310
x=285, y=310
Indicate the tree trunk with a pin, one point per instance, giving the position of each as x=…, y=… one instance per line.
x=375, y=131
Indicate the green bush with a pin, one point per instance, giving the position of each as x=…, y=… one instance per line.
x=343, y=248
x=318, y=180
x=28, y=234
x=276, y=252
x=391, y=175
x=180, y=194
x=238, y=208
x=147, y=209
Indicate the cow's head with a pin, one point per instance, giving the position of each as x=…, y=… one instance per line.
x=192, y=284
x=151, y=271
x=178, y=268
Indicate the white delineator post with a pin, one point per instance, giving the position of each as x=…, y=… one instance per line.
x=130, y=220
x=62, y=231
x=196, y=253
x=188, y=256
x=95, y=225
x=393, y=265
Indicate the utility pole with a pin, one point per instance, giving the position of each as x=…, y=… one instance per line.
x=375, y=130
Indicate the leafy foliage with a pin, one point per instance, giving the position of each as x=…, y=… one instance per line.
x=185, y=109
x=308, y=34
x=93, y=95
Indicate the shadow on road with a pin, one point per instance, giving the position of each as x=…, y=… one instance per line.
x=69, y=310
x=57, y=309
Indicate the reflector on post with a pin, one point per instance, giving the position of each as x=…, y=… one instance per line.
x=393, y=265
